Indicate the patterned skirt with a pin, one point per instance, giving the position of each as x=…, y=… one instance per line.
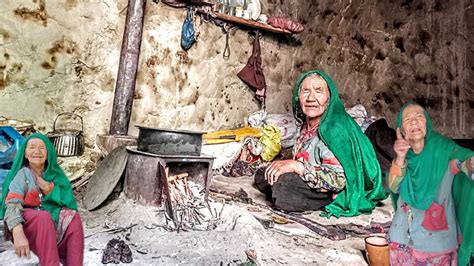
x=404, y=255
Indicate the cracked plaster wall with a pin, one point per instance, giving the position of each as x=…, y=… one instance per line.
x=58, y=56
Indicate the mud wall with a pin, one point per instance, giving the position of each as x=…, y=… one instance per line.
x=384, y=53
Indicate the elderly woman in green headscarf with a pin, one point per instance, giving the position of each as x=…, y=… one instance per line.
x=334, y=166
x=431, y=184
x=39, y=208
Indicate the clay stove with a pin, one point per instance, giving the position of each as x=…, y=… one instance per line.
x=147, y=174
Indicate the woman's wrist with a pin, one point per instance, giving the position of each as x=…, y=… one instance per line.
x=48, y=188
x=299, y=167
x=43, y=185
x=400, y=162
x=17, y=229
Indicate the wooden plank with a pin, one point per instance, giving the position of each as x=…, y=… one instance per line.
x=249, y=23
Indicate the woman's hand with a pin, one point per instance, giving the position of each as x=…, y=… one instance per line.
x=401, y=148
x=43, y=184
x=277, y=168
x=20, y=242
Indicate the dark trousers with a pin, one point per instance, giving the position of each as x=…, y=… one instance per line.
x=290, y=193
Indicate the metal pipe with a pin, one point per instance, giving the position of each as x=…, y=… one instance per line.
x=128, y=65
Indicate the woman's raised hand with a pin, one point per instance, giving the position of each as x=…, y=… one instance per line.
x=278, y=168
x=43, y=184
x=401, y=148
x=20, y=242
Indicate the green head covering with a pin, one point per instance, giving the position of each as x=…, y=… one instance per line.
x=353, y=150
x=61, y=196
x=425, y=171
x=424, y=174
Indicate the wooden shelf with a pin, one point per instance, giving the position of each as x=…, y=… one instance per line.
x=249, y=23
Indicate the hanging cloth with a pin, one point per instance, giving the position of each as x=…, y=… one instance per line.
x=252, y=73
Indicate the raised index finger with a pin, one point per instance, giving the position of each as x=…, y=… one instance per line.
x=399, y=134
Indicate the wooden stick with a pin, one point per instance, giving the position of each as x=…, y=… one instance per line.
x=177, y=177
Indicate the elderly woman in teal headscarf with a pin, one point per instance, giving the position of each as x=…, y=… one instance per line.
x=430, y=179
x=39, y=208
x=334, y=166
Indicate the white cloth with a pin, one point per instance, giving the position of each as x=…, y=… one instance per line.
x=225, y=153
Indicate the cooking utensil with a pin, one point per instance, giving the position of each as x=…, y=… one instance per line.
x=67, y=142
x=169, y=141
x=105, y=178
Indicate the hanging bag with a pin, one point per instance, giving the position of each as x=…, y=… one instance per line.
x=188, y=32
x=252, y=73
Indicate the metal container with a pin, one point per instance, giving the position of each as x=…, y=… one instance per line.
x=67, y=142
x=169, y=142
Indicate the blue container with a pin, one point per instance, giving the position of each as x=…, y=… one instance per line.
x=3, y=174
x=10, y=141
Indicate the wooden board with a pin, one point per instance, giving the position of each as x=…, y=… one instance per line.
x=250, y=23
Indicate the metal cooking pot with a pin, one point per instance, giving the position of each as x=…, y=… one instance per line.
x=169, y=141
x=67, y=142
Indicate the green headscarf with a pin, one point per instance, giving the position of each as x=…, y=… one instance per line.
x=61, y=196
x=425, y=171
x=353, y=150
x=424, y=174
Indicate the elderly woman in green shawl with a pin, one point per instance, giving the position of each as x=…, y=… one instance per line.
x=334, y=165
x=431, y=181
x=39, y=208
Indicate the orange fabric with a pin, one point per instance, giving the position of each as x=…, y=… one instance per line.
x=50, y=187
x=454, y=168
x=13, y=195
x=395, y=171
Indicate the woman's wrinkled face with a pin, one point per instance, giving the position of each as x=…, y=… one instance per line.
x=414, y=123
x=314, y=97
x=36, y=152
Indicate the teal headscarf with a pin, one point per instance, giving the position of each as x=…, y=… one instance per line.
x=61, y=196
x=425, y=171
x=353, y=150
x=424, y=174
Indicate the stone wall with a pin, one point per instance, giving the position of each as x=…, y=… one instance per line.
x=62, y=56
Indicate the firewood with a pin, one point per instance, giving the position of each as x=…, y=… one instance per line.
x=177, y=177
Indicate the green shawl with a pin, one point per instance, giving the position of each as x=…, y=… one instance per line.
x=424, y=174
x=61, y=196
x=353, y=150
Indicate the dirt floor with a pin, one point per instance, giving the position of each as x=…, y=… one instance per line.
x=237, y=233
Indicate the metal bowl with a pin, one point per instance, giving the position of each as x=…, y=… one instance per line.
x=169, y=141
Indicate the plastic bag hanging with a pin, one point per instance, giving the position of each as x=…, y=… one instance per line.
x=187, y=32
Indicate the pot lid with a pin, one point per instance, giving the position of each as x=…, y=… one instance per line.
x=105, y=178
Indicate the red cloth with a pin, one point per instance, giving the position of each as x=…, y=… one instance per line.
x=435, y=218
x=41, y=234
x=286, y=24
